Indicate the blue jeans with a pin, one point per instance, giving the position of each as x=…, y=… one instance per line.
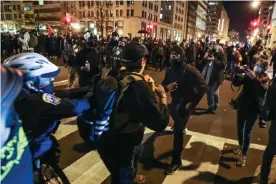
x=245, y=123
x=213, y=96
x=270, y=152
x=232, y=65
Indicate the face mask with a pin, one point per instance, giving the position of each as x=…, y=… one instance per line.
x=174, y=57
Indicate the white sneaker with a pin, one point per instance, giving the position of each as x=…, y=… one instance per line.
x=241, y=161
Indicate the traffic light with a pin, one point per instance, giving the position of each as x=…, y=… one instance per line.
x=254, y=23
x=67, y=20
x=149, y=27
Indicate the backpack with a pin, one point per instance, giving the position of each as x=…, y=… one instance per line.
x=33, y=41
x=103, y=115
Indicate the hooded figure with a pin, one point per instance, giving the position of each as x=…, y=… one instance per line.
x=187, y=87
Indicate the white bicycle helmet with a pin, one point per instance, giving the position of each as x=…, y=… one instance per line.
x=33, y=65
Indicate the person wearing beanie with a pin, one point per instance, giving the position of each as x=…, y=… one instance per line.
x=187, y=88
x=145, y=105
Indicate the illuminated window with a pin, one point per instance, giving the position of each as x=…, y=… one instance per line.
x=161, y=16
x=170, y=7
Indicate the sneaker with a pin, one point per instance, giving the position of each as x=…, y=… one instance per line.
x=139, y=179
x=262, y=124
x=237, y=150
x=211, y=110
x=172, y=169
x=241, y=161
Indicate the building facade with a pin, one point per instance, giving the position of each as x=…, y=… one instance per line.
x=173, y=17
x=50, y=13
x=191, y=19
x=197, y=18
x=12, y=15
x=217, y=21
x=233, y=35
x=125, y=17
x=201, y=18
x=223, y=25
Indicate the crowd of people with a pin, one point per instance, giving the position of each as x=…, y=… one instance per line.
x=126, y=100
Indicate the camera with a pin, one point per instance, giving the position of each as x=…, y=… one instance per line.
x=242, y=69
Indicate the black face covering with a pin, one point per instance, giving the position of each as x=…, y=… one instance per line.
x=175, y=60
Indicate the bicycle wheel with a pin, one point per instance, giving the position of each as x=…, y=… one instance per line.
x=53, y=174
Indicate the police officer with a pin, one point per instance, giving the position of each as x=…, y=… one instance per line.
x=120, y=152
x=36, y=105
x=16, y=161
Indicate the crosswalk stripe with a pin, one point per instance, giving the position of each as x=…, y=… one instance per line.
x=184, y=175
x=95, y=175
x=66, y=127
x=214, y=138
x=90, y=168
x=82, y=165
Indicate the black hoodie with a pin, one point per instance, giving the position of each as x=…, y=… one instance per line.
x=191, y=85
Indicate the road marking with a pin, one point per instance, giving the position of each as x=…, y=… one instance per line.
x=90, y=168
x=61, y=83
x=82, y=165
x=66, y=127
x=184, y=175
x=214, y=138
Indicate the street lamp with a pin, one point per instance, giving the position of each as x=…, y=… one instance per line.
x=255, y=4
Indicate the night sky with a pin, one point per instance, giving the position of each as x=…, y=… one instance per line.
x=240, y=14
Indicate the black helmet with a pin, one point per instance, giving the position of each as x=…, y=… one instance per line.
x=133, y=53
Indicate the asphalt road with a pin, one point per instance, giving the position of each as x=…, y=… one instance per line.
x=208, y=135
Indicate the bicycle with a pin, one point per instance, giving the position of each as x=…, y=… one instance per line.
x=46, y=168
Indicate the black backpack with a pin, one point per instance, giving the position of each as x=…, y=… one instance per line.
x=103, y=115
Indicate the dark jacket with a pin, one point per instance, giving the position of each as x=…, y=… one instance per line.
x=191, y=85
x=92, y=56
x=218, y=69
x=270, y=100
x=40, y=111
x=252, y=95
x=141, y=104
x=191, y=54
x=273, y=60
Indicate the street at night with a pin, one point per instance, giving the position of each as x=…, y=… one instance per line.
x=203, y=162
x=138, y=92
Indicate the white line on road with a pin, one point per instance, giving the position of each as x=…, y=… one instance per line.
x=61, y=83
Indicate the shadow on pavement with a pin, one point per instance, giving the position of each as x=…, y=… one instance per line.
x=205, y=177
x=82, y=147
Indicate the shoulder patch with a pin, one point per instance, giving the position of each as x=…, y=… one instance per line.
x=48, y=98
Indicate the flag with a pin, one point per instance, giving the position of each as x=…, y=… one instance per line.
x=50, y=30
